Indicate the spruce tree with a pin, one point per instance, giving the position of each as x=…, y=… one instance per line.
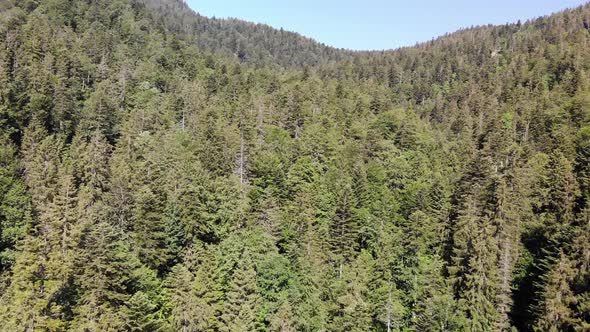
x=149, y=229
x=105, y=279
x=241, y=306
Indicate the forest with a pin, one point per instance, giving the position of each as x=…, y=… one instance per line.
x=165, y=171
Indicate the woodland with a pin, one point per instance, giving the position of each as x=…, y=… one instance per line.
x=165, y=171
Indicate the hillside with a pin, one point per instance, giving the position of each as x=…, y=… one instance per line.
x=249, y=42
x=163, y=171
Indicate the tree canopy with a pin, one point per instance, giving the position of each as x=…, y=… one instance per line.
x=164, y=171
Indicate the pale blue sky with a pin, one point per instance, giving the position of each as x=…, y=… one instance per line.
x=378, y=24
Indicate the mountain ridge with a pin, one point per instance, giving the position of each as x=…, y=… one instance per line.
x=347, y=52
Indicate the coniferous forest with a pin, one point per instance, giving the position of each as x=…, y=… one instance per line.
x=165, y=171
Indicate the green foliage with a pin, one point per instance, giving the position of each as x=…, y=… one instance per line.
x=164, y=171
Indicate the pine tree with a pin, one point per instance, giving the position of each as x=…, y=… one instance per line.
x=242, y=302
x=581, y=262
x=352, y=309
x=105, y=280
x=15, y=206
x=558, y=297
x=474, y=261
x=312, y=259
x=435, y=308
x=62, y=236
x=160, y=170
x=149, y=229
x=274, y=284
x=194, y=292
x=583, y=161
x=564, y=189
x=511, y=210
x=91, y=162
x=185, y=311
x=344, y=229
x=142, y=314
x=44, y=269
x=99, y=112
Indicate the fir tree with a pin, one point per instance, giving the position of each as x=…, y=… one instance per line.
x=241, y=305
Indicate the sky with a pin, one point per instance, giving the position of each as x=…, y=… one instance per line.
x=378, y=24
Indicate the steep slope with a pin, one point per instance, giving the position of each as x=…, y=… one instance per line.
x=156, y=175
x=518, y=98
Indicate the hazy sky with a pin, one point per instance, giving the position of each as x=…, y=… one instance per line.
x=378, y=24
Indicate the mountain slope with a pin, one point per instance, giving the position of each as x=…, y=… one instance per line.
x=249, y=42
x=155, y=177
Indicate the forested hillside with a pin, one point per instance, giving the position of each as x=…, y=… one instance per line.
x=163, y=171
x=248, y=42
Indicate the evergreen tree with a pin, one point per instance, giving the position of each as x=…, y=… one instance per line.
x=344, y=228
x=352, y=309
x=161, y=170
x=15, y=206
x=105, y=280
x=474, y=267
x=241, y=305
x=149, y=229
x=558, y=297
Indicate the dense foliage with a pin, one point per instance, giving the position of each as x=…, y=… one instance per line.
x=162, y=171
